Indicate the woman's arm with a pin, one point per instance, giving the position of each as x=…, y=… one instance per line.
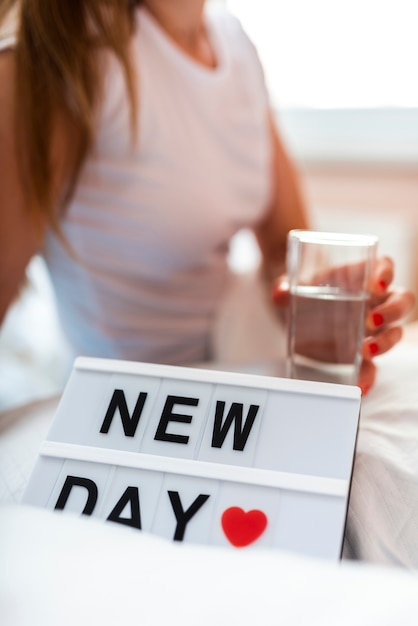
x=287, y=210
x=388, y=308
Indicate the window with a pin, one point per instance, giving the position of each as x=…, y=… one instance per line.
x=341, y=73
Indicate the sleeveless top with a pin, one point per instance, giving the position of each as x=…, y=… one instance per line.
x=150, y=222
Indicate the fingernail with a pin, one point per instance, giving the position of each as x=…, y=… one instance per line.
x=377, y=319
x=382, y=284
x=373, y=348
x=364, y=389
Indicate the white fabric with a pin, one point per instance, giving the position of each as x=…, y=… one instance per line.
x=58, y=569
x=7, y=42
x=150, y=225
x=383, y=511
x=22, y=429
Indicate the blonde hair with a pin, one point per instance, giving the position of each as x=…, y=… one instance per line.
x=58, y=74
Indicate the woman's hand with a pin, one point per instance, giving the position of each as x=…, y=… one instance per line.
x=387, y=308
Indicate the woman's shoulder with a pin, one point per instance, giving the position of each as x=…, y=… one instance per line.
x=241, y=48
x=224, y=19
x=229, y=28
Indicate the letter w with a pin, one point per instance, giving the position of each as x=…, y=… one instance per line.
x=129, y=423
x=220, y=430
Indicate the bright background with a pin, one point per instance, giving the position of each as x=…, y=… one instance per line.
x=336, y=53
x=342, y=74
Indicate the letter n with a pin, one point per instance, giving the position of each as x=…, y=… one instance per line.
x=129, y=422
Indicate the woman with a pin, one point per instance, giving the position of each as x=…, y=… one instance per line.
x=136, y=139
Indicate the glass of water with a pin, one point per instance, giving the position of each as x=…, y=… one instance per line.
x=329, y=275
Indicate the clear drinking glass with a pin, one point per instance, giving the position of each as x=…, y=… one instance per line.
x=329, y=276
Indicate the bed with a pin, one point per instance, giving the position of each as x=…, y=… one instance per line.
x=63, y=569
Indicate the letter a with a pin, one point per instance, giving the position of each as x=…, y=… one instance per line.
x=130, y=495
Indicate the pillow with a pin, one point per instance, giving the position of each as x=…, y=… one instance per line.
x=61, y=569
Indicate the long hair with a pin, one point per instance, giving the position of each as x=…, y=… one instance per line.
x=58, y=76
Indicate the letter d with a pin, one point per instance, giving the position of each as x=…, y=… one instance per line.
x=78, y=481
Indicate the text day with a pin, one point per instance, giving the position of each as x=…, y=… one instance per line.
x=129, y=497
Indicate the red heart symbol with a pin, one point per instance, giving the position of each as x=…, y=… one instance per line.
x=242, y=528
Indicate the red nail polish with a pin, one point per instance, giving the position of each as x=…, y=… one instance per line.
x=382, y=284
x=377, y=319
x=364, y=389
x=374, y=348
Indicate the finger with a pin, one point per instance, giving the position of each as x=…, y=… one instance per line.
x=367, y=376
x=349, y=277
x=382, y=275
x=280, y=293
x=395, y=308
x=381, y=343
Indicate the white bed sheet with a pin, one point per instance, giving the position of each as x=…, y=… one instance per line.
x=383, y=512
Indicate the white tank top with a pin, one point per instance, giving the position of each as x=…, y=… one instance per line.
x=150, y=225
